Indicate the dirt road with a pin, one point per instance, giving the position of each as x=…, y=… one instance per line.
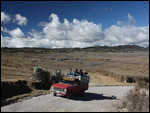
x=98, y=99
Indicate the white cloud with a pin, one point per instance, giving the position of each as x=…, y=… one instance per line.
x=4, y=30
x=76, y=33
x=42, y=24
x=25, y=42
x=16, y=33
x=127, y=34
x=5, y=17
x=108, y=8
x=119, y=23
x=20, y=20
x=83, y=30
x=35, y=34
x=131, y=19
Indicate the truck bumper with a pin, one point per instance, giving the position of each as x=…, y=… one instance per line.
x=59, y=92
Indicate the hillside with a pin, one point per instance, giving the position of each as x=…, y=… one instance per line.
x=120, y=65
x=120, y=48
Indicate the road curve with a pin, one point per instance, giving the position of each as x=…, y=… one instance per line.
x=96, y=99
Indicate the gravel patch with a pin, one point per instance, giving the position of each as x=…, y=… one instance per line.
x=96, y=99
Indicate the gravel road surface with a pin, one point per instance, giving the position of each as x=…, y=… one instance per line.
x=96, y=99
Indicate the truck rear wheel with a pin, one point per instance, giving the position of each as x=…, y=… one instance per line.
x=82, y=92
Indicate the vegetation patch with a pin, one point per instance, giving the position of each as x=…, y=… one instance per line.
x=137, y=99
x=10, y=89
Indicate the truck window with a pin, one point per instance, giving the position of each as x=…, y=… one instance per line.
x=67, y=82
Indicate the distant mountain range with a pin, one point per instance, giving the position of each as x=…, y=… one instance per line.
x=120, y=48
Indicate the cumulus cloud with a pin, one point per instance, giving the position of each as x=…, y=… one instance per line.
x=35, y=34
x=4, y=30
x=77, y=33
x=127, y=34
x=76, y=30
x=5, y=17
x=15, y=33
x=20, y=20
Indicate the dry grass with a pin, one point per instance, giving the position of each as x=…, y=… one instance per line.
x=142, y=84
x=20, y=65
x=100, y=78
x=20, y=98
x=101, y=66
x=137, y=99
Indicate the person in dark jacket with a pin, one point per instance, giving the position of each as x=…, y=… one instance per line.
x=81, y=73
x=76, y=71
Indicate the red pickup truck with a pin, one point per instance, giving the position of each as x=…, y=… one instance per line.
x=71, y=85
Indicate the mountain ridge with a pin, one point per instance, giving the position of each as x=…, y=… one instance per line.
x=119, y=48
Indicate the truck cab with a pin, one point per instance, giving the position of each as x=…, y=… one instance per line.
x=71, y=84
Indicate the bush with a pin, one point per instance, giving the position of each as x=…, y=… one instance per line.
x=40, y=78
x=56, y=76
x=136, y=101
x=142, y=84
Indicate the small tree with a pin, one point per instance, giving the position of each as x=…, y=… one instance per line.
x=40, y=78
x=56, y=76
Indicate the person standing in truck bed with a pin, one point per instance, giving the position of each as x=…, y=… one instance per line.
x=81, y=73
x=70, y=71
x=76, y=72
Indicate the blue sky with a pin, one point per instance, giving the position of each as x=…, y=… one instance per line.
x=106, y=13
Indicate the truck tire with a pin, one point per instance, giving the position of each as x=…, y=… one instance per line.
x=82, y=92
x=54, y=94
x=69, y=94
